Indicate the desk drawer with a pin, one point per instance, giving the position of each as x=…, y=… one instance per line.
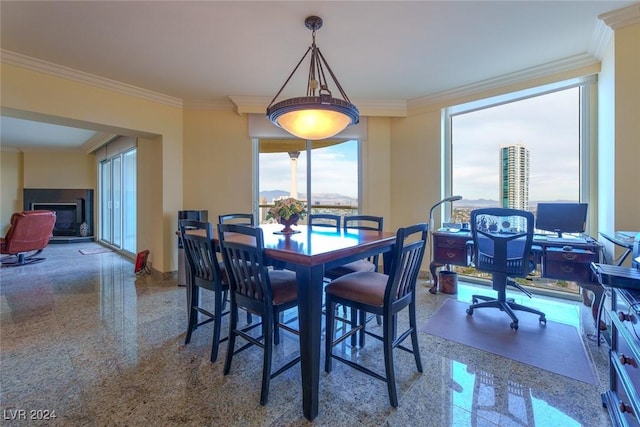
x=569, y=265
x=451, y=255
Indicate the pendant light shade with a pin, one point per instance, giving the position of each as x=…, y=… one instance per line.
x=318, y=115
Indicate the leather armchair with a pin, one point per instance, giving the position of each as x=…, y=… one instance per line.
x=29, y=231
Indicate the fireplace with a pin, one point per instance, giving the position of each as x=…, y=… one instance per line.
x=72, y=207
x=68, y=216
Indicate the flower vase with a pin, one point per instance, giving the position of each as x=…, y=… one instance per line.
x=292, y=220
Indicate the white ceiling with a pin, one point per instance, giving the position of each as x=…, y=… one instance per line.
x=204, y=52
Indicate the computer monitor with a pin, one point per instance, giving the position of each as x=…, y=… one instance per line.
x=562, y=217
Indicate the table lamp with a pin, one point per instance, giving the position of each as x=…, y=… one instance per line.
x=448, y=199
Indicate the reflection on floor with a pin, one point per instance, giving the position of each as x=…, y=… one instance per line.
x=83, y=337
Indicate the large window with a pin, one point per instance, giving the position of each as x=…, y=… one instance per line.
x=327, y=171
x=520, y=149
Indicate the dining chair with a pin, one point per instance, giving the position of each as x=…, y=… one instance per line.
x=325, y=220
x=359, y=222
x=237, y=218
x=259, y=290
x=384, y=295
x=204, y=272
x=503, y=246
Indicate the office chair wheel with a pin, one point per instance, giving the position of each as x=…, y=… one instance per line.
x=543, y=320
x=514, y=326
x=474, y=300
x=470, y=311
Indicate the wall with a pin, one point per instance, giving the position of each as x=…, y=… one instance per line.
x=59, y=169
x=11, y=184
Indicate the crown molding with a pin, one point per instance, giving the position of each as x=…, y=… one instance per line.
x=544, y=70
x=19, y=60
x=601, y=37
x=207, y=104
x=622, y=17
x=369, y=107
x=97, y=141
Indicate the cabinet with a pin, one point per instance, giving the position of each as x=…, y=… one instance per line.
x=621, y=400
x=569, y=265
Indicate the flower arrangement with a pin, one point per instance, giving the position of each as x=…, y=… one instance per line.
x=286, y=208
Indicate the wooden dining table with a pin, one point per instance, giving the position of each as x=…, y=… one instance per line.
x=309, y=253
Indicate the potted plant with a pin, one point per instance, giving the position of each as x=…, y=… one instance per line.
x=287, y=212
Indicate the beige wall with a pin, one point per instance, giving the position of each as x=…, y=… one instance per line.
x=218, y=173
x=59, y=169
x=11, y=184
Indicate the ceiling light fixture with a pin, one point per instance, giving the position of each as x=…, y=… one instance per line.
x=316, y=115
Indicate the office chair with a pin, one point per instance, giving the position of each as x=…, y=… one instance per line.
x=502, y=245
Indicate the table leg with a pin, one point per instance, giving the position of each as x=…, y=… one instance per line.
x=310, y=322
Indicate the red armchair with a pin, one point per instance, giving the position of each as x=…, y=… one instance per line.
x=29, y=231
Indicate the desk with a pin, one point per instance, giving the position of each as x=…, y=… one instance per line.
x=309, y=253
x=451, y=248
x=625, y=240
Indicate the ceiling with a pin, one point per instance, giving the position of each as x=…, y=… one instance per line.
x=211, y=52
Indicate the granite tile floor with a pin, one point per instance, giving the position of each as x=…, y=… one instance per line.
x=85, y=339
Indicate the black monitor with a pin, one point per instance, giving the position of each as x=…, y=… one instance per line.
x=562, y=217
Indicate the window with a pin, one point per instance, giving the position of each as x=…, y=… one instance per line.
x=327, y=170
x=519, y=149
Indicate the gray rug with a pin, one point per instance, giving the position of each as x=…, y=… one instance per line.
x=555, y=347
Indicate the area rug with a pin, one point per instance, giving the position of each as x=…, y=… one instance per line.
x=92, y=251
x=555, y=347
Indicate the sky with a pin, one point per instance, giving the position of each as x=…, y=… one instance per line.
x=334, y=169
x=547, y=125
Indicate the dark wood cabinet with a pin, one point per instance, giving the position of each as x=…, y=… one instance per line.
x=569, y=265
x=623, y=318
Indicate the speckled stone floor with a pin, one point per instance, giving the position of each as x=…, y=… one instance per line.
x=83, y=337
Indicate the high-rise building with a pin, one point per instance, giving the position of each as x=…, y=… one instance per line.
x=514, y=177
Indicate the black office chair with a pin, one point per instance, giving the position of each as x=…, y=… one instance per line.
x=204, y=272
x=258, y=290
x=502, y=245
x=237, y=218
x=385, y=295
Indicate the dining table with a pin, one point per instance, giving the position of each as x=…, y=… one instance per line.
x=309, y=251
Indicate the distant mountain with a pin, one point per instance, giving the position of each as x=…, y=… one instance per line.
x=319, y=198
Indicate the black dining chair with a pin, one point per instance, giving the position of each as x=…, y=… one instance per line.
x=325, y=220
x=204, y=272
x=384, y=295
x=237, y=218
x=259, y=290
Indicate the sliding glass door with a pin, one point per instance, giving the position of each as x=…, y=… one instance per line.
x=118, y=200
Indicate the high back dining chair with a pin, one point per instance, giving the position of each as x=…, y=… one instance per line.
x=358, y=222
x=385, y=295
x=502, y=246
x=237, y=218
x=325, y=220
x=204, y=272
x=258, y=290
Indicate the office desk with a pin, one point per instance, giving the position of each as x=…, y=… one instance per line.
x=309, y=254
x=455, y=249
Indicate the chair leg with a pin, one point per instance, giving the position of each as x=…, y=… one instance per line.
x=267, y=329
x=276, y=327
x=193, y=293
x=414, y=336
x=233, y=321
x=354, y=323
x=387, y=326
x=329, y=332
x=217, y=324
x=362, y=321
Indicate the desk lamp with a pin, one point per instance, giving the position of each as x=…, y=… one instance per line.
x=433, y=290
